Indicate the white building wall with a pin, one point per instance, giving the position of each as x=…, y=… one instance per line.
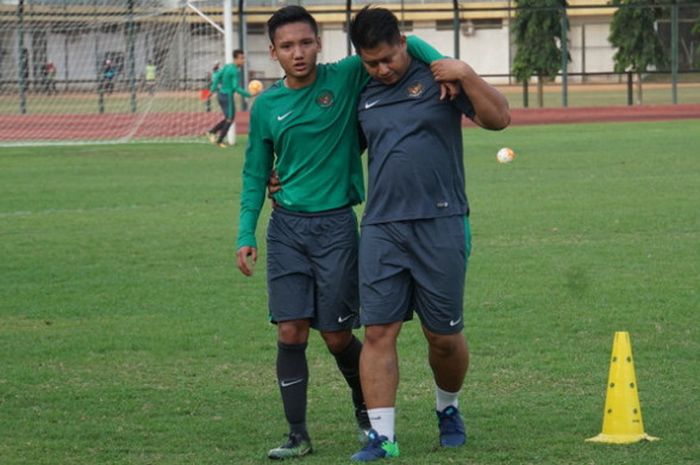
x=82, y=58
x=590, y=50
x=486, y=50
x=8, y=55
x=78, y=61
x=333, y=44
x=81, y=55
x=260, y=64
x=599, y=52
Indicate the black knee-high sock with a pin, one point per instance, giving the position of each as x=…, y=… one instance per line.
x=218, y=126
x=348, y=361
x=293, y=377
x=224, y=130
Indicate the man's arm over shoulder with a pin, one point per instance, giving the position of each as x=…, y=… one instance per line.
x=490, y=106
x=422, y=50
x=350, y=73
x=417, y=48
x=352, y=69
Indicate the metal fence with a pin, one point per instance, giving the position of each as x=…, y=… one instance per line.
x=83, y=34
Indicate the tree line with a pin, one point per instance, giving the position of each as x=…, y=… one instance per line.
x=540, y=27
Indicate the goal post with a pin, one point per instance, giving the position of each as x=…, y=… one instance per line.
x=228, y=48
x=86, y=71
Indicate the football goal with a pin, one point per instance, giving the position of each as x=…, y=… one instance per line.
x=86, y=71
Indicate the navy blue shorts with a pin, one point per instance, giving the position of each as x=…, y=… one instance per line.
x=227, y=105
x=312, y=268
x=417, y=265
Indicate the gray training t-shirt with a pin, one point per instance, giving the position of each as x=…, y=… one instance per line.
x=414, y=140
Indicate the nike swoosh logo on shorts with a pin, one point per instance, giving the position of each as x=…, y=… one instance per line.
x=343, y=319
x=369, y=105
x=454, y=323
x=291, y=383
x=281, y=117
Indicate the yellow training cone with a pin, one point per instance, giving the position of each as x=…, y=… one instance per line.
x=622, y=418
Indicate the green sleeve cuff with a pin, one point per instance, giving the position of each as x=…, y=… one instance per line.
x=246, y=230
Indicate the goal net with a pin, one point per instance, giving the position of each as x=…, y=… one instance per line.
x=74, y=71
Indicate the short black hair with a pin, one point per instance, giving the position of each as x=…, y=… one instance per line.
x=373, y=26
x=287, y=15
x=238, y=52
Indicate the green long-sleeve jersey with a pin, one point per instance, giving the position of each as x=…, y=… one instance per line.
x=311, y=137
x=226, y=81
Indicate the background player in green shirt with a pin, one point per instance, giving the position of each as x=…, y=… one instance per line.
x=225, y=83
x=305, y=127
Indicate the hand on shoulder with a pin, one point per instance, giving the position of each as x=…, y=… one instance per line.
x=450, y=69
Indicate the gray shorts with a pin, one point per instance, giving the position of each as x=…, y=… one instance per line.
x=312, y=268
x=416, y=265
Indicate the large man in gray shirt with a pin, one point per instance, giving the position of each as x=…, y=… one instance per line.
x=415, y=237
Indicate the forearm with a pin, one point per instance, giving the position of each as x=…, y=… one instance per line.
x=256, y=171
x=252, y=199
x=247, y=222
x=242, y=91
x=490, y=106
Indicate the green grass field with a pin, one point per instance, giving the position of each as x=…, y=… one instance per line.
x=603, y=95
x=127, y=336
x=118, y=102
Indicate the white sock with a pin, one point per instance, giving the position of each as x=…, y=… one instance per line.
x=444, y=399
x=382, y=420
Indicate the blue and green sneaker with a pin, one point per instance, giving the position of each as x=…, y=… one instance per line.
x=297, y=445
x=378, y=447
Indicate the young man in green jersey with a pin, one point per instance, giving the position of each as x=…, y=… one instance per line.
x=305, y=127
x=225, y=82
x=415, y=237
